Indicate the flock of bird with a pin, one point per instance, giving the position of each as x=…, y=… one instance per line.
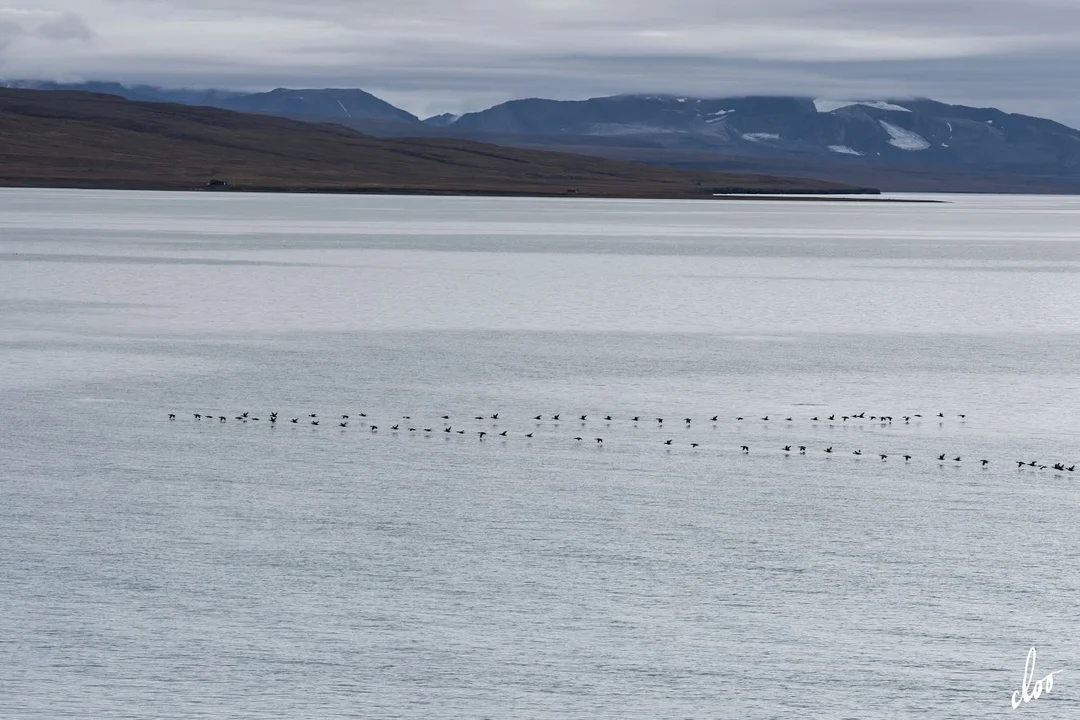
x=314, y=420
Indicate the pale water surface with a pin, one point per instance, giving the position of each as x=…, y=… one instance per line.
x=198, y=569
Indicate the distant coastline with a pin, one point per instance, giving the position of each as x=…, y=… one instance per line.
x=827, y=197
x=627, y=193
x=863, y=196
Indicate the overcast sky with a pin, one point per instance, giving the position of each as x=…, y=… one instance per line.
x=431, y=56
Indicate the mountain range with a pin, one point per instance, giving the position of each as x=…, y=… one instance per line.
x=893, y=144
x=92, y=140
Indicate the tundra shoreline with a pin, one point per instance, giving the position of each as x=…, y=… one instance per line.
x=817, y=194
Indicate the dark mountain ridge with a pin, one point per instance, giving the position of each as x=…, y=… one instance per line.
x=322, y=104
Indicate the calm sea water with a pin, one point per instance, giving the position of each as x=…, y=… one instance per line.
x=200, y=569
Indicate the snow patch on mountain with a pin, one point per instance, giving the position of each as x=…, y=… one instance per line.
x=904, y=139
x=844, y=150
x=825, y=106
x=718, y=116
x=886, y=106
x=758, y=137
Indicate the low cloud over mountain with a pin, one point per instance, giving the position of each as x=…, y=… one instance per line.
x=431, y=56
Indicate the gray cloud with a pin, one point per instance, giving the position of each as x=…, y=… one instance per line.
x=430, y=56
x=27, y=33
x=9, y=32
x=65, y=26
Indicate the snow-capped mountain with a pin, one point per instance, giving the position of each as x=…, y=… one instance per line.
x=918, y=131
